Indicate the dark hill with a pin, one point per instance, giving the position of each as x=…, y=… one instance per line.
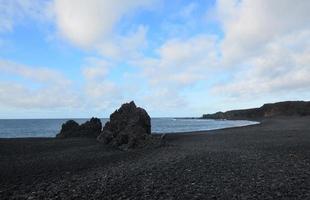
x=286, y=108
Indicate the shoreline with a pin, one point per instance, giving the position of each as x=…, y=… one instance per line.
x=270, y=160
x=157, y=133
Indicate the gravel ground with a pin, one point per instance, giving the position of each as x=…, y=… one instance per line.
x=266, y=161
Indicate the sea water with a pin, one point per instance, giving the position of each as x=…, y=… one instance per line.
x=13, y=128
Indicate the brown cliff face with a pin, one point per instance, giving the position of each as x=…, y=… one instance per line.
x=286, y=108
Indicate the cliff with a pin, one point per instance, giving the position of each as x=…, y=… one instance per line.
x=287, y=108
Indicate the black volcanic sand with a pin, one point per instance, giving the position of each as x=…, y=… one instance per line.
x=266, y=161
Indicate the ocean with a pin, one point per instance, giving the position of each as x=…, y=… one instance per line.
x=17, y=128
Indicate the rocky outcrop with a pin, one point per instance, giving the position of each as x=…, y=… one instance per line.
x=286, y=108
x=129, y=126
x=91, y=128
x=68, y=129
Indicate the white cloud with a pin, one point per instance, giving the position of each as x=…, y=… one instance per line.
x=123, y=48
x=19, y=96
x=250, y=24
x=52, y=89
x=99, y=92
x=30, y=87
x=37, y=74
x=96, y=68
x=102, y=93
x=163, y=100
x=280, y=70
x=84, y=23
x=181, y=62
x=178, y=64
x=267, y=45
x=264, y=51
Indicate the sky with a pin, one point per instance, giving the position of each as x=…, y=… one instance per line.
x=178, y=58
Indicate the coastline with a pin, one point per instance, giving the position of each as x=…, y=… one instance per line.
x=48, y=128
x=266, y=160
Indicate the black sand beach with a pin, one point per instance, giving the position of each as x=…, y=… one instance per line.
x=266, y=161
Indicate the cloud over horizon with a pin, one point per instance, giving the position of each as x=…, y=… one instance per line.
x=164, y=55
x=48, y=88
x=268, y=41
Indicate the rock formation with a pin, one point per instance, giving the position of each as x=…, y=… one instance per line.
x=91, y=128
x=286, y=108
x=68, y=129
x=129, y=126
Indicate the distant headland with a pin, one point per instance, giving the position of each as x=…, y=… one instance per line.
x=285, y=108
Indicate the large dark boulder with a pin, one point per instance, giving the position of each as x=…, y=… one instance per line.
x=68, y=129
x=129, y=126
x=91, y=128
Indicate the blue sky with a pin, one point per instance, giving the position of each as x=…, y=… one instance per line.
x=76, y=58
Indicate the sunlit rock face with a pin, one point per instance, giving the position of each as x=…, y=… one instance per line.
x=128, y=126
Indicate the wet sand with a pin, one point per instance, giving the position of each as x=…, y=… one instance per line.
x=266, y=161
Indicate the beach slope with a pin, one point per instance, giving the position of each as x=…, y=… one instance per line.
x=270, y=160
